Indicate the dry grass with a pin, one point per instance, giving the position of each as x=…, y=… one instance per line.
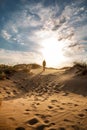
x=82, y=68
x=35, y=66
x=6, y=71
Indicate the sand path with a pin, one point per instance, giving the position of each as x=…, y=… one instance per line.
x=51, y=110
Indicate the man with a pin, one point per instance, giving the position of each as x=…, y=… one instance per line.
x=44, y=64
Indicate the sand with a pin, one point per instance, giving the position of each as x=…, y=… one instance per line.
x=50, y=100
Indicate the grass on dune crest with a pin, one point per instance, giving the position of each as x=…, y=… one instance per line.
x=6, y=71
x=82, y=68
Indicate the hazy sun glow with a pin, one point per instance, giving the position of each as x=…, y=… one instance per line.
x=52, y=51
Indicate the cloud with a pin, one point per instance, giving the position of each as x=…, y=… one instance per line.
x=34, y=22
x=67, y=36
x=73, y=45
x=74, y=50
x=81, y=32
x=23, y=25
x=59, y=22
x=14, y=29
x=5, y=34
x=15, y=57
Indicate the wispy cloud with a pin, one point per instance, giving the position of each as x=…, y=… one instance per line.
x=32, y=23
x=15, y=57
x=5, y=34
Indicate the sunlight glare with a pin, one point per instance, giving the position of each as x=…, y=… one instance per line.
x=52, y=52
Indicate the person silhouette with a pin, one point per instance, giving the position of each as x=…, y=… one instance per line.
x=44, y=65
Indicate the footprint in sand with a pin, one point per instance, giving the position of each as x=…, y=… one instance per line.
x=37, y=103
x=52, y=123
x=46, y=121
x=42, y=116
x=12, y=118
x=26, y=113
x=40, y=127
x=76, y=105
x=61, y=128
x=61, y=108
x=81, y=115
x=27, y=110
x=14, y=91
x=57, y=105
x=53, y=101
x=85, y=110
x=20, y=128
x=50, y=107
x=52, y=129
x=8, y=92
x=33, y=121
x=66, y=120
x=75, y=127
x=63, y=103
x=37, y=114
x=4, y=88
x=34, y=105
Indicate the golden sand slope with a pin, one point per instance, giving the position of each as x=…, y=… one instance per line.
x=57, y=112
x=50, y=100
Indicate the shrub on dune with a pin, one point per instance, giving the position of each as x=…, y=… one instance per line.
x=6, y=71
x=82, y=68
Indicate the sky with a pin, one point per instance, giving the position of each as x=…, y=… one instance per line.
x=34, y=30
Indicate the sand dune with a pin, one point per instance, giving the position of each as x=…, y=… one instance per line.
x=50, y=100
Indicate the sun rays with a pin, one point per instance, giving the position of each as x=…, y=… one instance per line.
x=52, y=51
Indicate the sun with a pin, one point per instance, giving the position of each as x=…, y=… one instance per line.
x=52, y=51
